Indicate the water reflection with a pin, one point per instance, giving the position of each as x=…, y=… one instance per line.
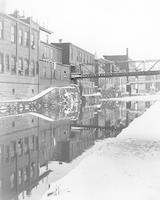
x=55, y=103
x=29, y=143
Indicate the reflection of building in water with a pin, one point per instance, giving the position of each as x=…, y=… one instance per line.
x=18, y=155
x=27, y=144
x=78, y=141
x=50, y=134
x=135, y=109
x=112, y=116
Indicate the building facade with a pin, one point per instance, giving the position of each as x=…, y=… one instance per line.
x=19, y=54
x=75, y=56
x=52, y=71
x=80, y=61
x=28, y=61
x=122, y=63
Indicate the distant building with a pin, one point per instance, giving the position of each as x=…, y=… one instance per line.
x=80, y=61
x=75, y=56
x=52, y=71
x=122, y=63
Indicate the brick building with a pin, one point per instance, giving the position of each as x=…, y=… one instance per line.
x=19, y=54
x=75, y=56
x=80, y=61
x=52, y=70
x=28, y=62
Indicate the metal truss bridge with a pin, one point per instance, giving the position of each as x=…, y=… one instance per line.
x=88, y=127
x=115, y=74
x=139, y=68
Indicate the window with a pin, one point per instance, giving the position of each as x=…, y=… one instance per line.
x=37, y=68
x=20, y=67
x=12, y=180
x=32, y=142
x=71, y=53
x=13, y=149
x=25, y=174
x=45, y=52
x=19, y=176
x=13, y=65
x=13, y=92
x=1, y=63
x=7, y=63
x=80, y=57
x=7, y=152
x=32, y=68
x=20, y=37
x=26, y=38
x=1, y=153
x=20, y=147
x=13, y=34
x=1, y=29
x=26, y=67
x=32, y=41
x=44, y=72
x=52, y=54
x=26, y=145
x=31, y=170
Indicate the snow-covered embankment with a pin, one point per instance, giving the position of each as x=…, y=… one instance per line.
x=126, y=167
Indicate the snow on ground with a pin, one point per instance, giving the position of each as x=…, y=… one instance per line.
x=126, y=167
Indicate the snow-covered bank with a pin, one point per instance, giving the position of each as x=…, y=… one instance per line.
x=135, y=98
x=126, y=167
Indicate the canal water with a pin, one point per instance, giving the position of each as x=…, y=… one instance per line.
x=39, y=148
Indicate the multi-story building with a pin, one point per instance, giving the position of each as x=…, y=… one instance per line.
x=75, y=56
x=19, y=54
x=80, y=61
x=52, y=71
x=29, y=63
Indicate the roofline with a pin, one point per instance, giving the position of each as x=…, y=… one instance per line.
x=45, y=30
x=17, y=20
x=69, y=43
x=114, y=55
x=51, y=45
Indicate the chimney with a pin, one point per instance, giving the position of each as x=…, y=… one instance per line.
x=16, y=13
x=127, y=52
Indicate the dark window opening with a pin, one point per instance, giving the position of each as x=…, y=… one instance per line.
x=13, y=91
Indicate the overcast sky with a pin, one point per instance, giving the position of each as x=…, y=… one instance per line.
x=102, y=26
